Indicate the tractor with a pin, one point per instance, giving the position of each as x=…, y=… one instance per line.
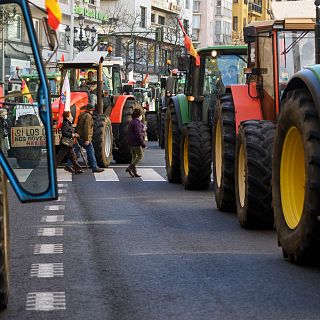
x=30, y=184
x=296, y=165
x=189, y=115
x=113, y=109
x=245, y=119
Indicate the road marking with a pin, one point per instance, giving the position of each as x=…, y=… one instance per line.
x=22, y=174
x=49, y=248
x=138, y=166
x=62, y=191
x=63, y=175
x=59, y=218
x=50, y=232
x=106, y=175
x=46, y=301
x=62, y=185
x=150, y=175
x=55, y=207
x=47, y=270
x=62, y=198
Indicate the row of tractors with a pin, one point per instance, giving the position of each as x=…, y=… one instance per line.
x=253, y=111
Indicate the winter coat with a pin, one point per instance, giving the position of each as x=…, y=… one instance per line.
x=135, y=133
x=85, y=126
x=66, y=129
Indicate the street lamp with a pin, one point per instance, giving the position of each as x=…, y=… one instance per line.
x=84, y=40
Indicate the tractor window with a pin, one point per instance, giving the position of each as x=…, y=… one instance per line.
x=296, y=50
x=265, y=62
x=107, y=79
x=222, y=71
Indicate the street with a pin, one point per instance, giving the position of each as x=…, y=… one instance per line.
x=116, y=247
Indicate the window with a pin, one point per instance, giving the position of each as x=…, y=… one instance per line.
x=235, y=23
x=196, y=6
x=143, y=11
x=218, y=27
x=153, y=17
x=218, y=12
x=235, y=1
x=36, y=25
x=186, y=25
x=218, y=3
x=161, y=20
x=62, y=37
x=196, y=22
x=195, y=34
x=64, y=1
x=14, y=29
x=187, y=4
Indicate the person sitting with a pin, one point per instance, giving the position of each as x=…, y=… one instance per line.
x=91, y=85
x=230, y=77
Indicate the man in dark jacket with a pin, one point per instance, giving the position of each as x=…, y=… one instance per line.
x=85, y=132
x=135, y=141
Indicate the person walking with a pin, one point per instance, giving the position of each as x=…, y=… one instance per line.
x=85, y=132
x=135, y=141
x=66, y=144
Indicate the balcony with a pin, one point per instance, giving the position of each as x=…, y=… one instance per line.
x=165, y=6
x=255, y=9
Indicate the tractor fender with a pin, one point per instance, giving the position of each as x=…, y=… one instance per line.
x=245, y=107
x=176, y=103
x=116, y=112
x=309, y=79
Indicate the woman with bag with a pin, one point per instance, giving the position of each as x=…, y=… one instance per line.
x=66, y=144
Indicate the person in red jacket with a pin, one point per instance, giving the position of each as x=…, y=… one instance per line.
x=135, y=141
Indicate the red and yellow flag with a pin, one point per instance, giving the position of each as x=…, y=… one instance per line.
x=25, y=91
x=54, y=13
x=189, y=46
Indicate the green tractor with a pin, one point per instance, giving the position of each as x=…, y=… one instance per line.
x=296, y=163
x=189, y=115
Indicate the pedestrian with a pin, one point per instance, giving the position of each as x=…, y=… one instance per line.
x=66, y=144
x=135, y=141
x=85, y=132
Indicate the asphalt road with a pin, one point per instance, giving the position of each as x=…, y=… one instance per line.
x=134, y=249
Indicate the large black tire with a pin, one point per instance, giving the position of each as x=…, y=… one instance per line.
x=28, y=157
x=102, y=140
x=152, y=131
x=121, y=154
x=295, y=179
x=4, y=242
x=162, y=128
x=196, y=154
x=254, y=151
x=224, y=144
x=172, y=146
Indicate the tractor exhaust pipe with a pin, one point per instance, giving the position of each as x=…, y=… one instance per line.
x=317, y=31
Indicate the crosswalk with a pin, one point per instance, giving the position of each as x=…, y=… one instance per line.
x=115, y=174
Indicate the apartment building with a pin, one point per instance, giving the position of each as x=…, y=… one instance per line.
x=211, y=22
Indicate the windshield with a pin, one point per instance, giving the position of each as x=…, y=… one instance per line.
x=80, y=79
x=296, y=50
x=222, y=71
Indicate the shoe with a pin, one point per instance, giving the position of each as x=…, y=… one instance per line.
x=129, y=170
x=135, y=173
x=97, y=170
x=79, y=171
x=69, y=169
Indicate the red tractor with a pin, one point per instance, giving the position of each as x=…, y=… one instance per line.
x=113, y=109
x=245, y=118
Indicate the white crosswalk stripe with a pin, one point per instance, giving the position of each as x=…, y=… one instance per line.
x=47, y=270
x=106, y=175
x=63, y=175
x=46, y=301
x=150, y=175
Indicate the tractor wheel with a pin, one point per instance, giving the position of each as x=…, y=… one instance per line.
x=102, y=140
x=172, y=146
x=253, y=174
x=28, y=157
x=295, y=178
x=195, y=154
x=162, y=123
x=224, y=143
x=152, y=131
x=4, y=242
x=121, y=154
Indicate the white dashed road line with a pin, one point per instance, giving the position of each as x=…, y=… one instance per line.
x=59, y=218
x=50, y=232
x=46, y=301
x=51, y=248
x=55, y=207
x=47, y=270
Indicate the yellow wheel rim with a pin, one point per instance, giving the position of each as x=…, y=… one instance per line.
x=218, y=154
x=186, y=155
x=170, y=141
x=241, y=176
x=292, y=178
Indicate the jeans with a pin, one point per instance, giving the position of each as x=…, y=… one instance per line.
x=90, y=154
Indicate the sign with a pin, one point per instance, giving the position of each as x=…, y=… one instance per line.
x=33, y=136
x=26, y=109
x=91, y=13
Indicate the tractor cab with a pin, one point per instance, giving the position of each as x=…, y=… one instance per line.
x=277, y=50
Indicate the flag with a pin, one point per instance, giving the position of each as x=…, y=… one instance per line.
x=144, y=81
x=189, y=45
x=25, y=91
x=65, y=100
x=54, y=13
